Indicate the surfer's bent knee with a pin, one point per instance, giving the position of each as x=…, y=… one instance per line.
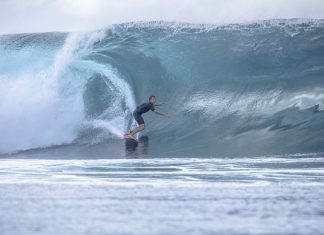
x=142, y=126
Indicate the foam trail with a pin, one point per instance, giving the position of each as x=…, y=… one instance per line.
x=109, y=126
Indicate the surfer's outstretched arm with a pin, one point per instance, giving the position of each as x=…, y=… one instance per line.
x=159, y=113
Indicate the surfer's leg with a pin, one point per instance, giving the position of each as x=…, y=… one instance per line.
x=139, y=119
x=137, y=129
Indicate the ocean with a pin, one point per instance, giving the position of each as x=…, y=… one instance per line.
x=241, y=151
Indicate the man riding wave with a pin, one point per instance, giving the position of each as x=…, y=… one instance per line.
x=143, y=108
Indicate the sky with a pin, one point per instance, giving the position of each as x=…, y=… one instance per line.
x=22, y=16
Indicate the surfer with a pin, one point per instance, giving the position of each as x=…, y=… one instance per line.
x=143, y=108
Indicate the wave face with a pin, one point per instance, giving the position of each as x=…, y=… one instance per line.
x=230, y=90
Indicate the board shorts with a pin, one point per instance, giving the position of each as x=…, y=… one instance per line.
x=139, y=119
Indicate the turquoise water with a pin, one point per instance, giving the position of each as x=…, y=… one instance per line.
x=240, y=90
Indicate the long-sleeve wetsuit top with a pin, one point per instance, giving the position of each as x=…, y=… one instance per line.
x=145, y=107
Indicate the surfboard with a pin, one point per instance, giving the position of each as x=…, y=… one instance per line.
x=130, y=142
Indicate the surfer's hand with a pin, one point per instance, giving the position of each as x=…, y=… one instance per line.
x=159, y=113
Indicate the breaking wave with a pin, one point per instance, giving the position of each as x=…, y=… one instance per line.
x=238, y=89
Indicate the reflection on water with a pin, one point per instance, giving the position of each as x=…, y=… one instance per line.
x=137, y=149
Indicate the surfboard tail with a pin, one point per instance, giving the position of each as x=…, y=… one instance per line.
x=129, y=137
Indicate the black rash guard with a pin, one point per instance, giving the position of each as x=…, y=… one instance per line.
x=143, y=108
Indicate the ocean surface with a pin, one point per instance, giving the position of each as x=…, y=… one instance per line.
x=241, y=152
x=262, y=195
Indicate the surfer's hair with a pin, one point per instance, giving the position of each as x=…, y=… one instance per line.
x=151, y=97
